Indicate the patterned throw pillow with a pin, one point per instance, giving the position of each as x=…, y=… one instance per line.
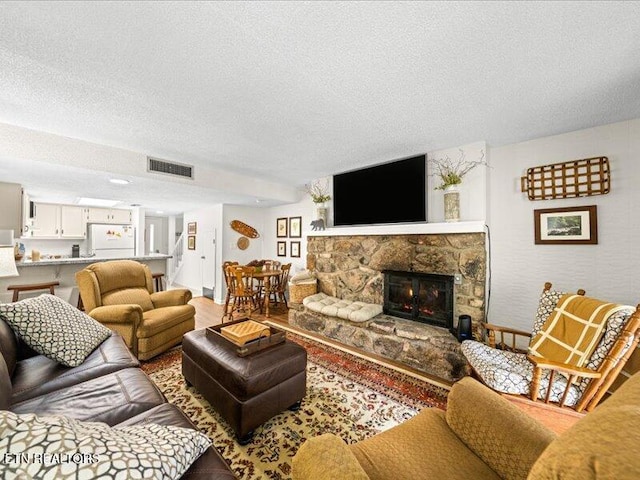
x=63, y=448
x=548, y=301
x=54, y=328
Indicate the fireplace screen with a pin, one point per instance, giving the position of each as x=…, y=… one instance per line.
x=422, y=297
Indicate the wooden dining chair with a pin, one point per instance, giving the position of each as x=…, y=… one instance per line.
x=269, y=265
x=227, y=298
x=243, y=294
x=279, y=289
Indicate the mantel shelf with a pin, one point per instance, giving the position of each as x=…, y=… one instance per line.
x=477, y=226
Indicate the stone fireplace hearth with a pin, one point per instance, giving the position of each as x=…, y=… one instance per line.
x=351, y=268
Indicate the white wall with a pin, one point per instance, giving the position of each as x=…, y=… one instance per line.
x=208, y=220
x=305, y=209
x=608, y=270
x=217, y=219
x=254, y=217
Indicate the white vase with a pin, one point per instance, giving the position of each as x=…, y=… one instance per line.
x=451, y=203
x=321, y=212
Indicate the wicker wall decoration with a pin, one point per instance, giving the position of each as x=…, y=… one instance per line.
x=576, y=178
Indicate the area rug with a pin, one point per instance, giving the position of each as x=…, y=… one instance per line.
x=346, y=395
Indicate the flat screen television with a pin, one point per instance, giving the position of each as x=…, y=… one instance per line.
x=393, y=192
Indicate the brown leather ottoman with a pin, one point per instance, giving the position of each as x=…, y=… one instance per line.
x=246, y=391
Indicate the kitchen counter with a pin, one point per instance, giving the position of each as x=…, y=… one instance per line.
x=86, y=260
x=63, y=270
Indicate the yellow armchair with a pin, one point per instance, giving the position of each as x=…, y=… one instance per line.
x=119, y=294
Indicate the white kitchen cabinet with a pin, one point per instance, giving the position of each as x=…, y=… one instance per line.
x=98, y=215
x=108, y=215
x=56, y=221
x=11, y=207
x=46, y=221
x=72, y=222
x=121, y=216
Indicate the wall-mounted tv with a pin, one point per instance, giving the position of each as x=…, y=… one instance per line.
x=393, y=192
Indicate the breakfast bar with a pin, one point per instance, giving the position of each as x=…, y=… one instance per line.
x=63, y=270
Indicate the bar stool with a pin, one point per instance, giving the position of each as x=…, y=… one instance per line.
x=33, y=286
x=157, y=278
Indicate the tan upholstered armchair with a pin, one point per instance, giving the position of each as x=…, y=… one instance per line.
x=119, y=294
x=484, y=436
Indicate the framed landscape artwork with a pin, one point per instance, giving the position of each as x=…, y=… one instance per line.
x=192, y=228
x=571, y=226
x=282, y=249
x=295, y=227
x=281, y=227
x=191, y=242
x=295, y=249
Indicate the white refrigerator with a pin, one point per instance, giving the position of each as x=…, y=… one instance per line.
x=111, y=241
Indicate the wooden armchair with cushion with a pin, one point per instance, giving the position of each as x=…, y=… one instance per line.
x=119, y=294
x=578, y=345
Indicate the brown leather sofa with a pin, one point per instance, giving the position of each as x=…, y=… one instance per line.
x=108, y=387
x=119, y=294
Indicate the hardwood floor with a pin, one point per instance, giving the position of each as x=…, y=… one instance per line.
x=209, y=313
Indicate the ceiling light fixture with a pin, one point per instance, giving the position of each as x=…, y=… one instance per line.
x=119, y=181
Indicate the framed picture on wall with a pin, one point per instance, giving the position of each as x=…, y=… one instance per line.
x=281, y=227
x=191, y=242
x=282, y=249
x=192, y=228
x=295, y=249
x=295, y=227
x=571, y=226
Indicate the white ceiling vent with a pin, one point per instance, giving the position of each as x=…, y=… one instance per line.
x=156, y=165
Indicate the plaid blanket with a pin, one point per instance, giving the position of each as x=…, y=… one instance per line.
x=573, y=330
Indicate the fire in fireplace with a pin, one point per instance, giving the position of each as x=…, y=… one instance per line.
x=422, y=297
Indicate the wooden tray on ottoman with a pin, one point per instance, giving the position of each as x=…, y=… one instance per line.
x=247, y=336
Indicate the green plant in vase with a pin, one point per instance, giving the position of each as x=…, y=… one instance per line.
x=319, y=192
x=452, y=172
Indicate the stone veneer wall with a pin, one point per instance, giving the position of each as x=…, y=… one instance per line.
x=350, y=267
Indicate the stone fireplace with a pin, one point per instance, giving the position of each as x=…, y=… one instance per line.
x=353, y=267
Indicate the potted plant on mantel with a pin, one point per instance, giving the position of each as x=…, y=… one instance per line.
x=451, y=174
x=319, y=193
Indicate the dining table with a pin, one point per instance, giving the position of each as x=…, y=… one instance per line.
x=266, y=276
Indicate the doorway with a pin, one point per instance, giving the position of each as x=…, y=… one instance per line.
x=156, y=235
x=208, y=262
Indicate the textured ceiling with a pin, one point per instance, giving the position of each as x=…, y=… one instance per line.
x=293, y=91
